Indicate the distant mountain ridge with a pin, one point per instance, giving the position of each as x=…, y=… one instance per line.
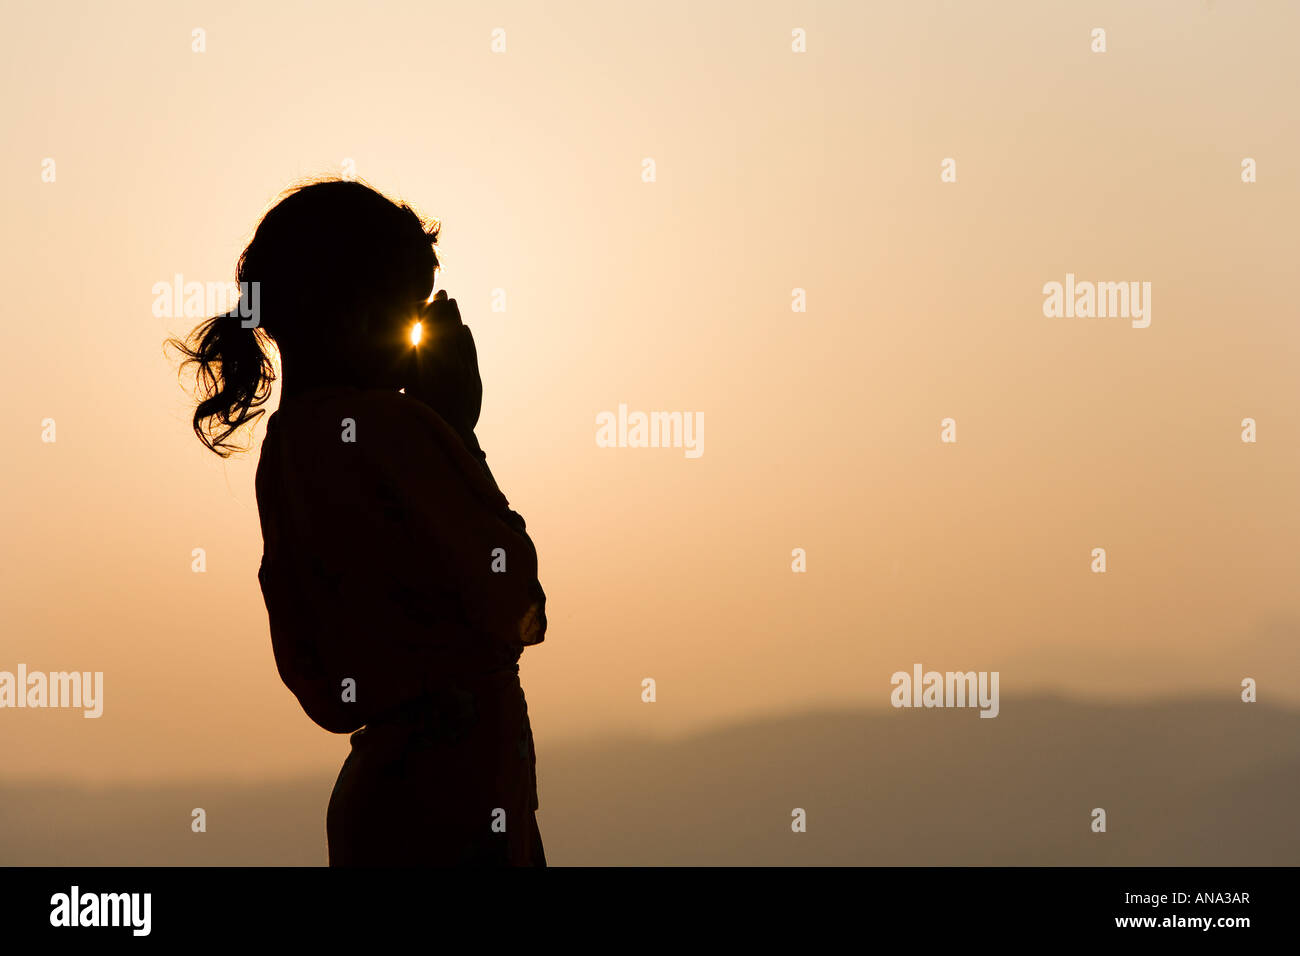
x=1186, y=782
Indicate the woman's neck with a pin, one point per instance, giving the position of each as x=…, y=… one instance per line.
x=299, y=379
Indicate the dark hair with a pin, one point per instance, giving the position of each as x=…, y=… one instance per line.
x=328, y=254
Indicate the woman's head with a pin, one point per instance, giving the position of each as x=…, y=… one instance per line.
x=341, y=271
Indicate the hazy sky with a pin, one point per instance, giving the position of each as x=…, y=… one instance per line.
x=775, y=171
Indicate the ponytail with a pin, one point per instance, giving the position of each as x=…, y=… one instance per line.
x=233, y=376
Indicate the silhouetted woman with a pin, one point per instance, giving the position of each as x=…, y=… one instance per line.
x=401, y=589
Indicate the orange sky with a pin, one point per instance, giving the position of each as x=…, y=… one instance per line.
x=775, y=171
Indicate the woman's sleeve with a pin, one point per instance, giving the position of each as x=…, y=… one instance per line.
x=456, y=536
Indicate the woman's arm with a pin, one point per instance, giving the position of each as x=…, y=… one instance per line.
x=456, y=531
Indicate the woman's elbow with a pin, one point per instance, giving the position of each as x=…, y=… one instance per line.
x=336, y=716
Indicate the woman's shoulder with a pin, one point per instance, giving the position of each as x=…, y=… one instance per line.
x=310, y=405
x=345, y=415
x=372, y=429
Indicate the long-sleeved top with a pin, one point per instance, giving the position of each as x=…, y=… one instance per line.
x=396, y=577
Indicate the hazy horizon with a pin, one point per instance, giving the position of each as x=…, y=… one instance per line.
x=1183, y=783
